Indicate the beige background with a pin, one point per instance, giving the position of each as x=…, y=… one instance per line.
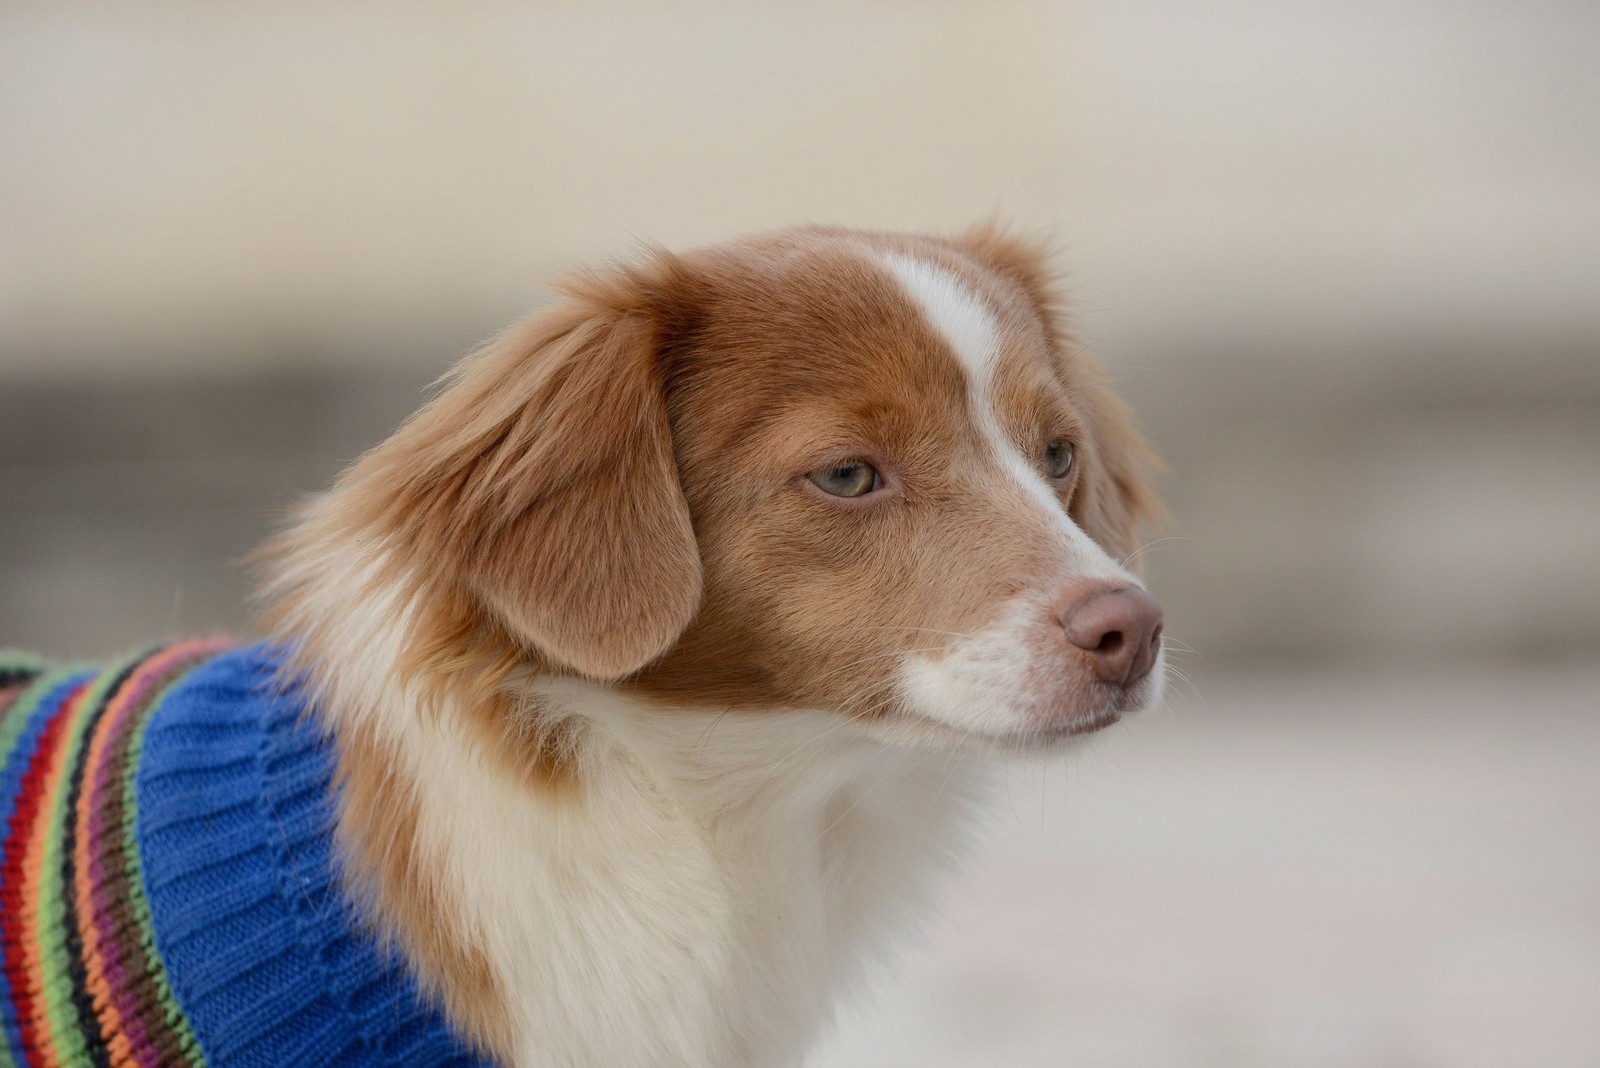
x=1344, y=258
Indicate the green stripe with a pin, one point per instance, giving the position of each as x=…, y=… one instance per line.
x=11, y=728
x=175, y=1019
x=13, y=722
x=66, y=1029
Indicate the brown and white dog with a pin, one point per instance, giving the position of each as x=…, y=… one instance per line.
x=637, y=641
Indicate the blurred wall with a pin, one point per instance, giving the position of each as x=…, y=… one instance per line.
x=1343, y=258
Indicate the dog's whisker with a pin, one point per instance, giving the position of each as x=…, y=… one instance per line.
x=1177, y=673
x=925, y=630
x=1182, y=646
x=845, y=719
x=889, y=655
x=701, y=741
x=1147, y=546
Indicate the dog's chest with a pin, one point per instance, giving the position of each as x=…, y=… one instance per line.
x=673, y=925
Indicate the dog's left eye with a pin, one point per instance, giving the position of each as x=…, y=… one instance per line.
x=853, y=479
x=1058, y=458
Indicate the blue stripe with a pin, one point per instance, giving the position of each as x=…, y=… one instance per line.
x=39, y=704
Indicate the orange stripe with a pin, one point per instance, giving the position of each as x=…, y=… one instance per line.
x=121, y=1051
x=33, y=881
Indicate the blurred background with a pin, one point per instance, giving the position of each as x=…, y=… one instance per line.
x=1344, y=259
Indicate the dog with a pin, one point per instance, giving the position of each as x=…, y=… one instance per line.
x=653, y=668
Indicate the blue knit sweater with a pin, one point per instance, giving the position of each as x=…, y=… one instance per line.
x=169, y=877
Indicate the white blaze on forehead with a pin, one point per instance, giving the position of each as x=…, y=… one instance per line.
x=960, y=317
x=969, y=327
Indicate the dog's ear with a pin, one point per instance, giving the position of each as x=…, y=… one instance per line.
x=543, y=482
x=1115, y=501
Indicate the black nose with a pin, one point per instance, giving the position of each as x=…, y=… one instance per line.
x=1120, y=629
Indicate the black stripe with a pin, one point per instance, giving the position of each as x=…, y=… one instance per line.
x=18, y=674
x=83, y=1001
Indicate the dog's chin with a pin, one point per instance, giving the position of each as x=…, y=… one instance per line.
x=1044, y=731
x=914, y=731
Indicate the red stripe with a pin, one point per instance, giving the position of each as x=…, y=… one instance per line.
x=15, y=886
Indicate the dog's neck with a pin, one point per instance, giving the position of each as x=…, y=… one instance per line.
x=713, y=878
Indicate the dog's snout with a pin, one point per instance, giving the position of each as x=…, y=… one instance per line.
x=1120, y=629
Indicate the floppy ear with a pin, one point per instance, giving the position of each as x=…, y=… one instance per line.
x=1114, y=502
x=543, y=482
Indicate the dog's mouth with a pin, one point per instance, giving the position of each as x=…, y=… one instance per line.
x=1087, y=725
x=1044, y=738
x=1051, y=728
x=1055, y=735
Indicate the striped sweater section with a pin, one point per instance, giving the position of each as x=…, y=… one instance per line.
x=82, y=983
x=166, y=877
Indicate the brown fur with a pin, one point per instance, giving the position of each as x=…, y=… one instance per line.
x=378, y=825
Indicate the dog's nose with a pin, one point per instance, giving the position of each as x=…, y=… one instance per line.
x=1120, y=629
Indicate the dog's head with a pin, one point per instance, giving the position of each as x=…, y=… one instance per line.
x=819, y=469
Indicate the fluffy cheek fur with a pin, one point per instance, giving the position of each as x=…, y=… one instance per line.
x=808, y=604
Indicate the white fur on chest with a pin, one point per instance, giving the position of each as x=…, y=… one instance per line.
x=704, y=899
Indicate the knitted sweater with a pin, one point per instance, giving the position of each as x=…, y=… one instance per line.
x=167, y=889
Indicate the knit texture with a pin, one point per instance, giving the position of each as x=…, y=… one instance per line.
x=168, y=882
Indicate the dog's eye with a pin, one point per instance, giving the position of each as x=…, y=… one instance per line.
x=847, y=480
x=1058, y=458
